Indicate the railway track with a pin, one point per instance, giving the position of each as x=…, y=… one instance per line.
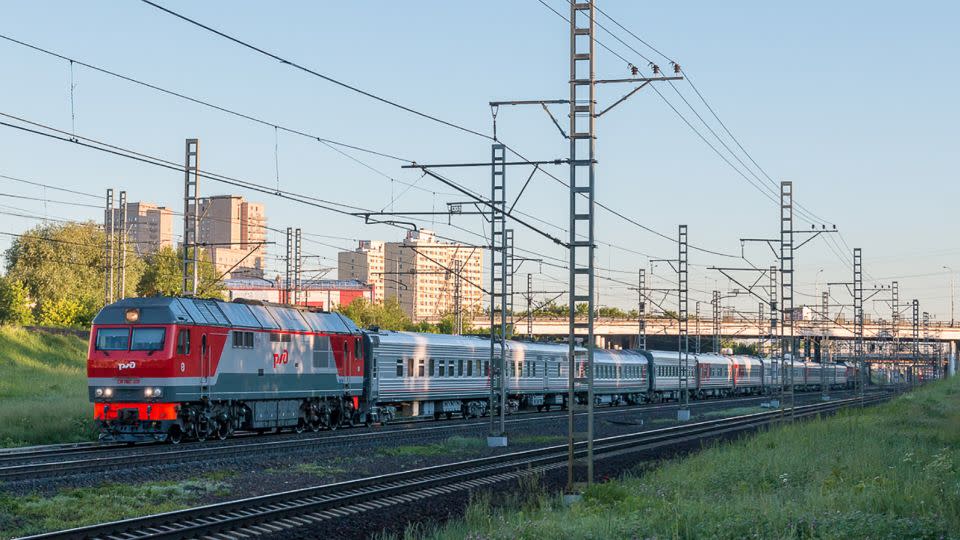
x=42, y=462
x=279, y=512
x=79, y=460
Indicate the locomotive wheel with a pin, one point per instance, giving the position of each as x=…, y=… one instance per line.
x=315, y=425
x=300, y=426
x=203, y=428
x=175, y=435
x=223, y=431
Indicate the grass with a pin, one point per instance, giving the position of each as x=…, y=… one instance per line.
x=43, y=389
x=891, y=471
x=545, y=440
x=735, y=411
x=75, y=507
x=451, y=446
x=315, y=469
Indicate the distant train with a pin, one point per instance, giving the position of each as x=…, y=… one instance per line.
x=166, y=368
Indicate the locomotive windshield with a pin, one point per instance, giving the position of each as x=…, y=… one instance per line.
x=147, y=339
x=113, y=339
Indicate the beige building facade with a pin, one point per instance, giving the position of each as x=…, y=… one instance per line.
x=234, y=232
x=364, y=264
x=420, y=272
x=149, y=227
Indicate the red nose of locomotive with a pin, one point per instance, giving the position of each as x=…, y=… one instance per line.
x=129, y=365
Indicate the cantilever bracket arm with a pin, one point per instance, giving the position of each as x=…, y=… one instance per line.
x=621, y=100
x=735, y=280
x=554, y=120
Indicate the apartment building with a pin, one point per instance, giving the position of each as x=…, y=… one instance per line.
x=364, y=264
x=149, y=227
x=233, y=232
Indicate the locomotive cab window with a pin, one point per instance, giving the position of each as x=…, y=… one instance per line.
x=183, y=341
x=147, y=339
x=113, y=339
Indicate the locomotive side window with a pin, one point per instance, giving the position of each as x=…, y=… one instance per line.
x=113, y=339
x=356, y=348
x=147, y=339
x=248, y=340
x=183, y=341
x=399, y=367
x=321, y=351
x=279, y=338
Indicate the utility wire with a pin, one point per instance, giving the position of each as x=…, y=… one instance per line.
x=376, y=97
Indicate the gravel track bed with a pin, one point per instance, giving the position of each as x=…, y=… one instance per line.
x=407, y=447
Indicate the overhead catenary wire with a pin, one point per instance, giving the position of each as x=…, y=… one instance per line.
x=392, y=103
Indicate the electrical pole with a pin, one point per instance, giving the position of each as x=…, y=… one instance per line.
x=858, y=319
x=191, y=217
x=530, y=307
x=122, y=241
x=457, y=298
x=911, y=370
x=288, y=270
x=498, y=293
x=108, y=252
x=697, y=315
x=716, y=321
x=683, y=345
x=642, y=311
x=895, y=320
x=825, y=317
x=297, y=266
x=786, y=287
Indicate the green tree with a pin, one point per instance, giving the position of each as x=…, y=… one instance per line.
x=447, y=322
x=163, y=275
x=388, y=315
x=60, y=262
x=63, y=312
x=15, y=306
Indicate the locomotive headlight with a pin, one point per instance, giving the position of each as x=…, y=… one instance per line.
x=107, y=392
x=157, y=392
x=132, y=315
x=98, y=392
x=148, y=392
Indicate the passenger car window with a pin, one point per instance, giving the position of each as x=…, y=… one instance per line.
x=147, y=339
x=113, y=339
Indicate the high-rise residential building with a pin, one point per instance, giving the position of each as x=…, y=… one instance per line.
x=364, y=264
x=149, y=227
x=233, y=232
x=420, y=272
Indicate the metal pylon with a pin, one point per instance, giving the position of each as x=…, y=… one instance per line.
x=288, y=273
x=911, y=370
x=581, y=245
x=683, y=335
x=786, y=291
x=191, y=217
x=825, y=319
x=773, y=305
x=895, y=318
x=498, y=288
x=108, y=253
x=530, y=306
x=122, y=245
x=715, y=305
x=297, y=268
x=858, y=319
x=642, y=311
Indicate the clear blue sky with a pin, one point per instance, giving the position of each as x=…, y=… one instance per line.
x=854, y=101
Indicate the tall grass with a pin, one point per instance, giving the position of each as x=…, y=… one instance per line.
x=43, y=388
x=891, y=471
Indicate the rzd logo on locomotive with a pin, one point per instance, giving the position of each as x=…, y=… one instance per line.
x=281, y=358
x=128, y=365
